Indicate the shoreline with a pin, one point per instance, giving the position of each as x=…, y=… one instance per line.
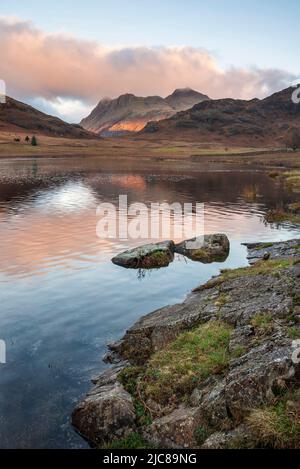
x=135, y=150
x=254, y=309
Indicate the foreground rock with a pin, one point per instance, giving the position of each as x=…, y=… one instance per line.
x=149, y=256
x=235, y=300
x=260, y=306
x=107, y=412
x=176, y=430
x=206, y=249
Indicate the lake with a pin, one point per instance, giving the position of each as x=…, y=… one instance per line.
x=61, y=297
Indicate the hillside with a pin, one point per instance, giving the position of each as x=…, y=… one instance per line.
x=19, y=117
x=250, y=123
x=130, y=113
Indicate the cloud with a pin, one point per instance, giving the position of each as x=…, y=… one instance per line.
x=70, y=73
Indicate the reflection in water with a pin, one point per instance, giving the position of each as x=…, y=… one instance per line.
x=62, y=299
x=71, y=197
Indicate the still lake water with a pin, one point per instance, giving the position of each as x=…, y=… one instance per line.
x=61, y=298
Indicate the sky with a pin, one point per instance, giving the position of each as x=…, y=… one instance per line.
x=63, y=57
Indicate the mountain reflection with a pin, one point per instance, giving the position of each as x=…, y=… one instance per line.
x=51, y=223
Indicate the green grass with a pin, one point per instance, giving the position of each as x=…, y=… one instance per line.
x=175, y=371
x=238, y=351
x=129, y=378
x=155, y=259
x=133, y=441
x=201, y=434
x=294, y=332
x=278, y=426
x=222, y=300
x=260, y=267
x=201, y=254
x=272, y=266
x=263, y=246
x=262, y=321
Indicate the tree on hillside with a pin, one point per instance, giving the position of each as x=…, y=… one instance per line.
x=27, y=139
x=33, y=141
x=293, y=138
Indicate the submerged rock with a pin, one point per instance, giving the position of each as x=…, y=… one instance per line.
x=149, y=256
x=206, y=249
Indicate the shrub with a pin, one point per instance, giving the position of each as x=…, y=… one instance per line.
x=33, y=141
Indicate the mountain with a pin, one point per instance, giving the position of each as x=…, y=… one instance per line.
x=185, y=98
x=130, y=113
x=255, y=122
x=19, y=117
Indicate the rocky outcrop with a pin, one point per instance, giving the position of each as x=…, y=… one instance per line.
x=149, y=256
x=130, y=113
x=257, y=123
x=279, y=250
x=176, y=430
x=107, y=412
x=260, y=306
x=240, y=437
x=206, y=249
x=236, y=300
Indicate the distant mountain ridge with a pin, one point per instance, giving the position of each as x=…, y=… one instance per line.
x=130, y=113
x=256, y=122
x=16, y=116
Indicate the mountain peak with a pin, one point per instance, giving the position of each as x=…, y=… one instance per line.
x=130, y=113
x=183, y=91
x=184, y=98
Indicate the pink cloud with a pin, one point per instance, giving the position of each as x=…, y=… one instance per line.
x=50, y=66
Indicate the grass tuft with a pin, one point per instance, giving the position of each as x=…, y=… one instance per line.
x=278, y=426
x=294, y=332
x=262, y=322
x=129, y=377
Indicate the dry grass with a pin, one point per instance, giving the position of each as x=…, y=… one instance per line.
x=279, y=215
x=140, y=149
x=278, y=426
x=292, y=180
